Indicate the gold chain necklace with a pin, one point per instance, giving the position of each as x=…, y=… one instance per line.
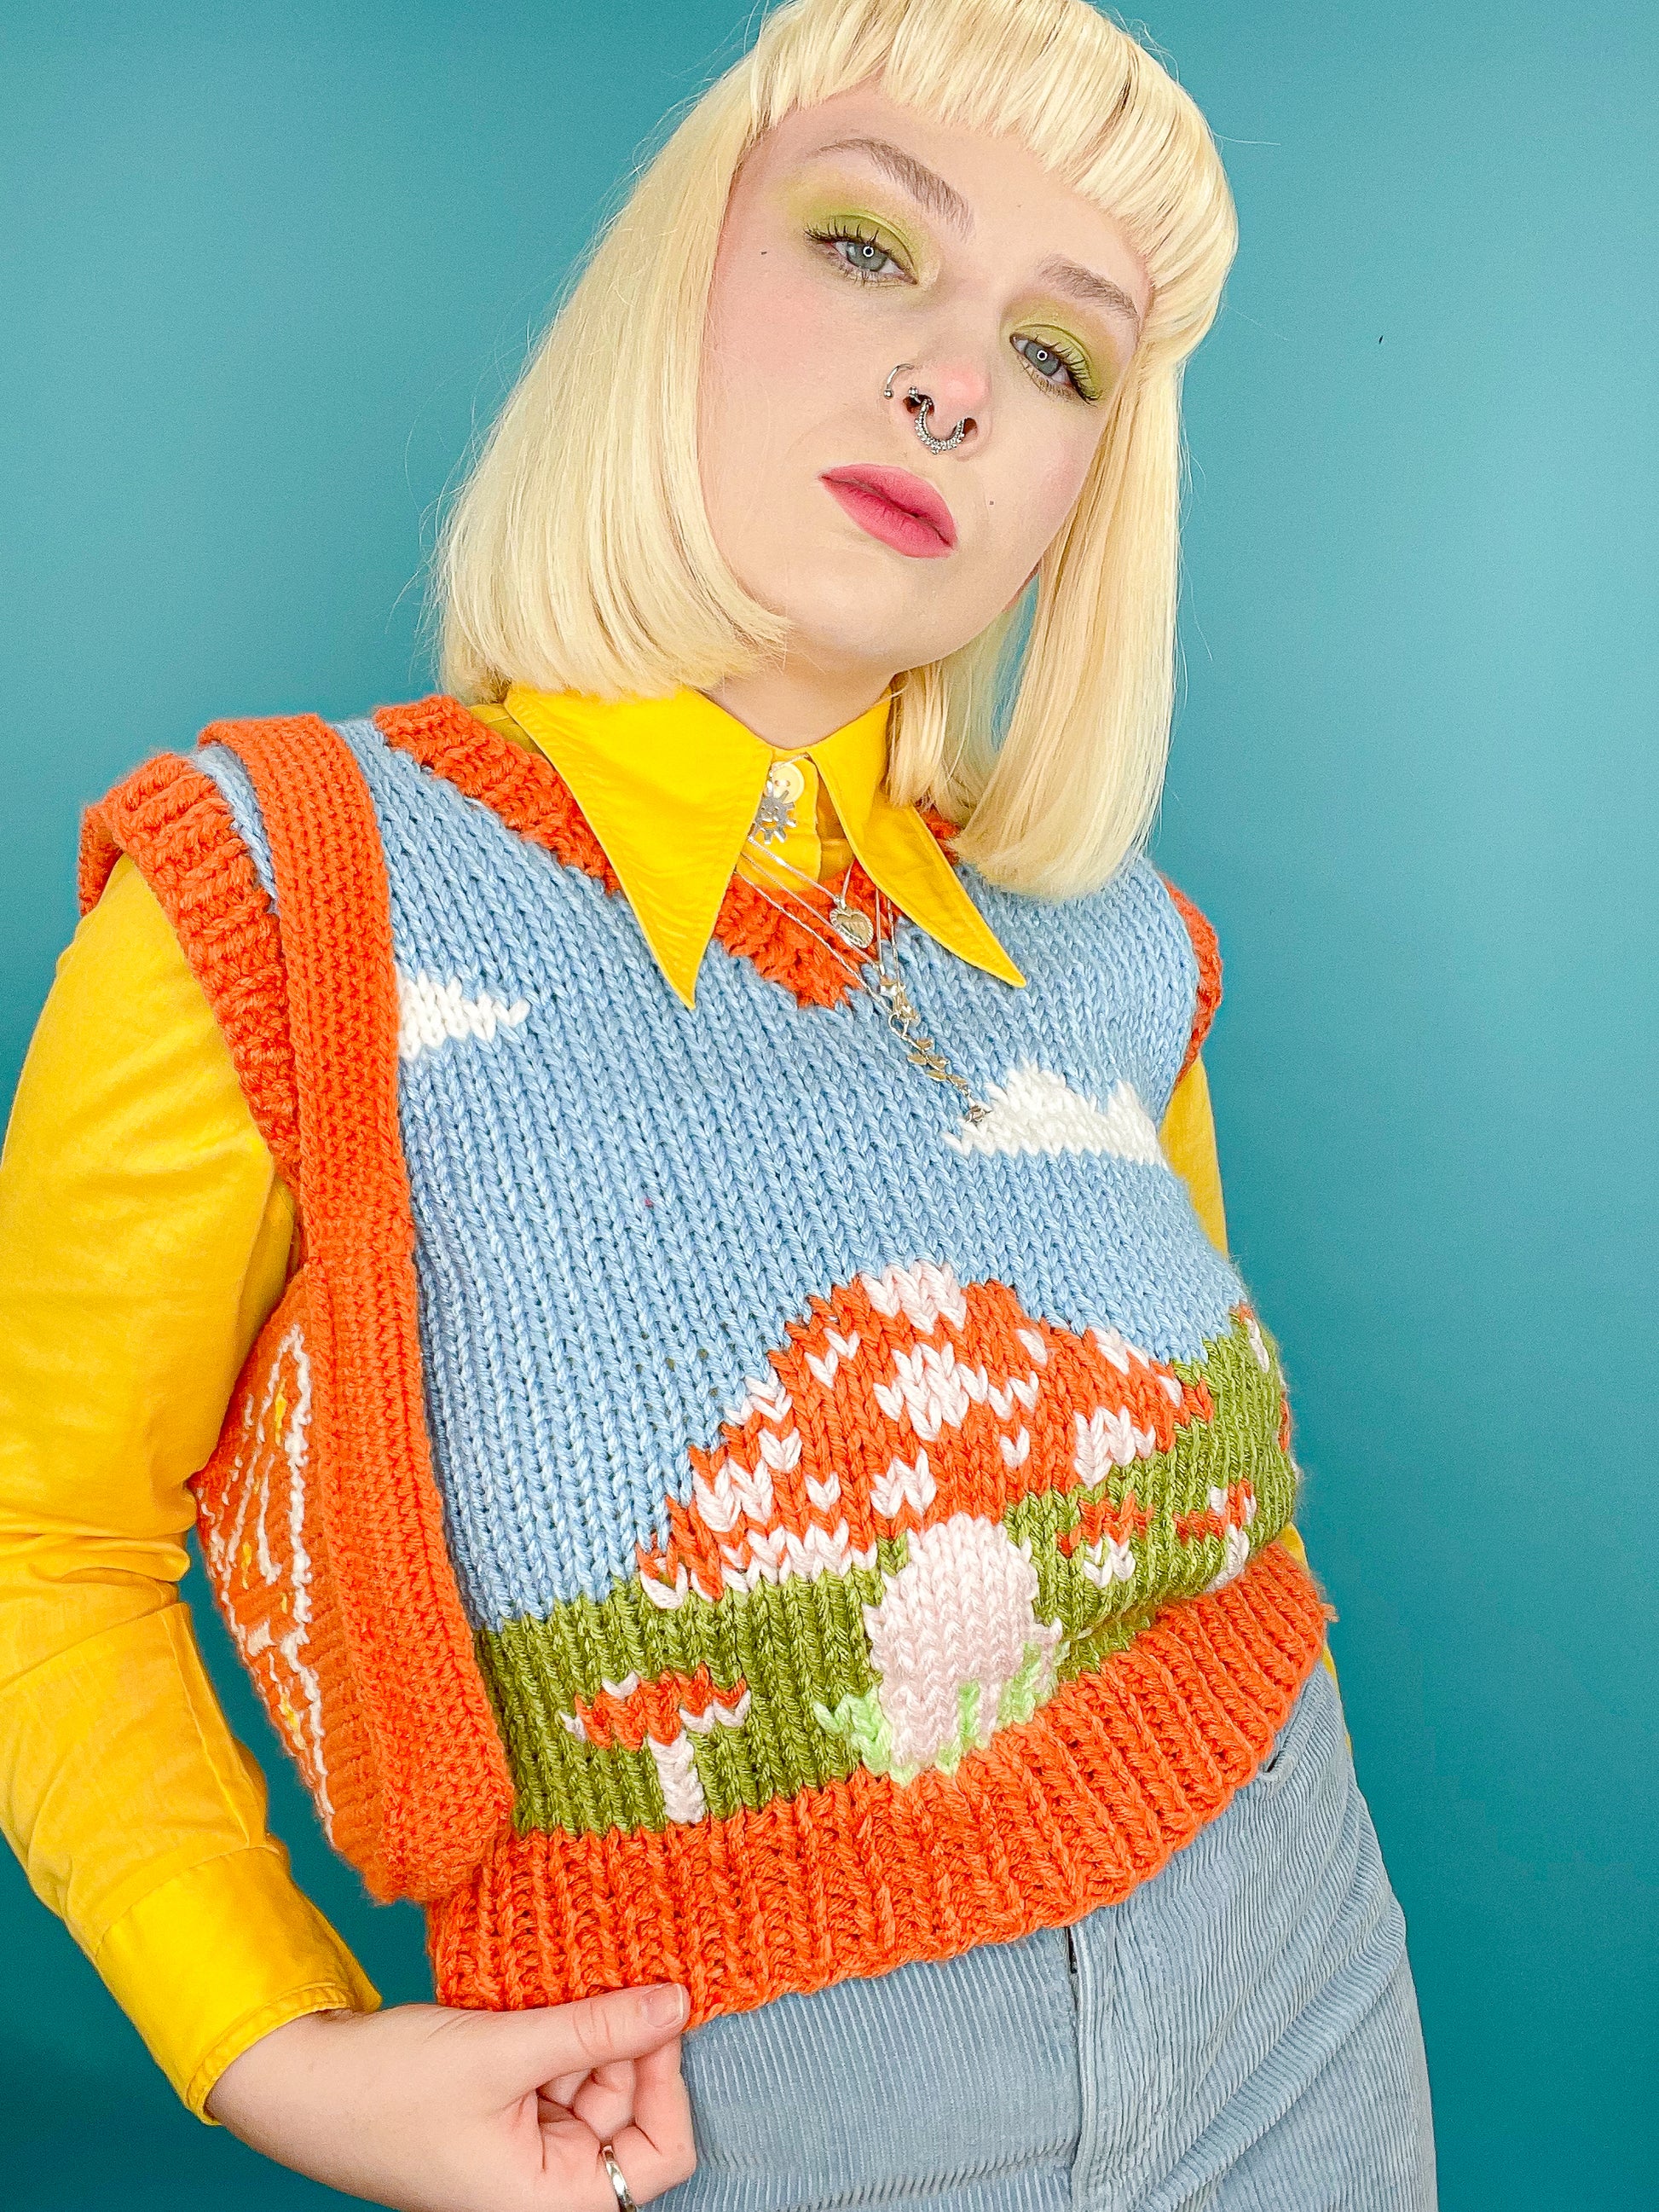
x=888, y=989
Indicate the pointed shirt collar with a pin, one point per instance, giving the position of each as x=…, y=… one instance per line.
x=670, y=788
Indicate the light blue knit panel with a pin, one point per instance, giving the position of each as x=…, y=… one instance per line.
x=225, y=769
x=620, y=1203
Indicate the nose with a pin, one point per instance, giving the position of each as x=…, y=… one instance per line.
x=940, y=396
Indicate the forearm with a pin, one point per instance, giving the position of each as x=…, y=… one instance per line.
x=143, y=1237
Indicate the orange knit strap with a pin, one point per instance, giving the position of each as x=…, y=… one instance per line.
x=175, y=825
x=424, y=1786
x=1059, y=1814
x=521, y=785
x=1207, y=948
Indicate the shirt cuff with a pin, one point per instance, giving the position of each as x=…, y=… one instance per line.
x=213, y=1960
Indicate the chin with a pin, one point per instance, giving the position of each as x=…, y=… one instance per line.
x=875, y=607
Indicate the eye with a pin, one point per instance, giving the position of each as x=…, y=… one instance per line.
x=1057, y=367
x=861, y=251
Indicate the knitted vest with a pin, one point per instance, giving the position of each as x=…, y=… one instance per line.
x=702, y=1508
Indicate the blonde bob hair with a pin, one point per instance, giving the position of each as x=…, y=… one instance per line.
x=578, y=555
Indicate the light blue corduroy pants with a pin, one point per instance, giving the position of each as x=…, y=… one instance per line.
x=1239, y=2035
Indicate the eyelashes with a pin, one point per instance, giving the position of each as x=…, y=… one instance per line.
x=861, y=251
x=1044, y=355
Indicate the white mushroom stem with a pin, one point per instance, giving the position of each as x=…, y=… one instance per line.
x=676, y=1761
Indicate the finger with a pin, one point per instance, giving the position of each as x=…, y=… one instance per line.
x=653, y=2157
x=511, y=2053
x=563, y=2086
x=606, y=2106
x=650, y=2166
x=662, y=2109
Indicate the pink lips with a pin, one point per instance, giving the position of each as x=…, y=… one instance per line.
x=896, y=507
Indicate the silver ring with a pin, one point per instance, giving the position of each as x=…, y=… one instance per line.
x=923, y=404
x=618, y=2180
x=935, y=445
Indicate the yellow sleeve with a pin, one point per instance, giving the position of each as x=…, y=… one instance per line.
x=1188, y=1139
x=143, y=1238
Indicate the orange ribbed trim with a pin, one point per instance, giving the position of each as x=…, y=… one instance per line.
x=522, y=786
x=1068, y=1811
x=1206, y=949
x=175, y=824
x=416, y=1773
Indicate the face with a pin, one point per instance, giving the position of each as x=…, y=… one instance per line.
x=860, y=236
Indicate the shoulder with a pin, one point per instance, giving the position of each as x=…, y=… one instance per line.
x=1204, y=947
x=1206, y=953
x=124, y=955
x=151, y=813
x=173, y=822
x=1143, y=948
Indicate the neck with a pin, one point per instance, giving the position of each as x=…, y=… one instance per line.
x=794, y=703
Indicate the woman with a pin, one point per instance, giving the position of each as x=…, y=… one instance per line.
x=640, y=1191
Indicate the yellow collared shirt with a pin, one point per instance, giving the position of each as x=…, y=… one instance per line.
x=673, y=789
x=144, y=1235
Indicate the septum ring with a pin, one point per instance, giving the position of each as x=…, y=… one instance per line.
x=923, y=404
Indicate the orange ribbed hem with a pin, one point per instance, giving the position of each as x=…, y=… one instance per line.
x=1068, y=1811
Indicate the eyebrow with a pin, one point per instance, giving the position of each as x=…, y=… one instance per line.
x=1084, y=284
x=924, y=184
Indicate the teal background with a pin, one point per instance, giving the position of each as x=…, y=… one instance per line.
x=262, y=271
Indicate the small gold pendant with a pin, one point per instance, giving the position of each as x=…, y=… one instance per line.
x=855, y=928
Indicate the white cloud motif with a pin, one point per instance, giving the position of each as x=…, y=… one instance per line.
x=1036, y=1110
x=430, y=1010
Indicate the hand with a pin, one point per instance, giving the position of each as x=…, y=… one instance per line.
x=424, y=2109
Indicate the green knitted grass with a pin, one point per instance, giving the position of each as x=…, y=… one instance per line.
x=818, y=1706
